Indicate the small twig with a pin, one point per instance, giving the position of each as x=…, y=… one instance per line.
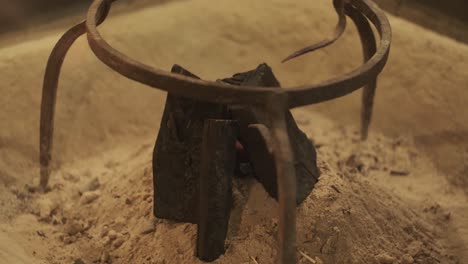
x=399, y=173
x=307, y=257
x=336, y=189
x=254, y=260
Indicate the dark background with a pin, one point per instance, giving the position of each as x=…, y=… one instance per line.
x=448, y=17
x=17, y=14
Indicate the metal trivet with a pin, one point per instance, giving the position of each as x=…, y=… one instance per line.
x=272, y=103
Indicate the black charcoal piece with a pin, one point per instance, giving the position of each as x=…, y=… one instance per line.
x=177, y=155
x=217, y=169
x=257, y=147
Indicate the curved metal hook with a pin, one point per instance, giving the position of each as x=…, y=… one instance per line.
x=369, y=47
x=339, y=29
x=49, y=95
x=286, y=179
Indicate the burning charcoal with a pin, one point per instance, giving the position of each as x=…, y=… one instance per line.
x=257, y=143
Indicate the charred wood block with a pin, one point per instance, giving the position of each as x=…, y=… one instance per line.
x=177, y=155
x=257, y=146
x=217, y=169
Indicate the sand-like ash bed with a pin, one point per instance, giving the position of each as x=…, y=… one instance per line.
x=398, y=198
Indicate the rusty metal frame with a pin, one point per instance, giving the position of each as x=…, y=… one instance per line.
x=274, y=101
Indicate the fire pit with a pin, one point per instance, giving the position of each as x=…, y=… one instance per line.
x=212, y=128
